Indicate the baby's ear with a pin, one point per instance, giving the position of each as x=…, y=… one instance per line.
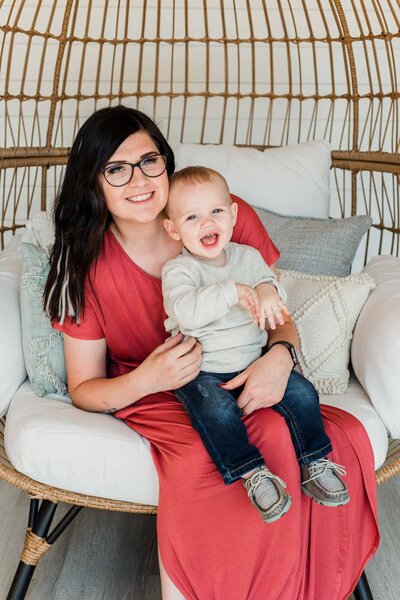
x=234, y=209
x=170, y=227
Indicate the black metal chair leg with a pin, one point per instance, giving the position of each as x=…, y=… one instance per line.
x=38, y=524
x=362, y=590
x=41, y=522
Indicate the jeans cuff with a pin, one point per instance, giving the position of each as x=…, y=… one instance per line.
x=235, y=474
x=309, y=458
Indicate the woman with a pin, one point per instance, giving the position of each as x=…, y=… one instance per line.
x=104, y=293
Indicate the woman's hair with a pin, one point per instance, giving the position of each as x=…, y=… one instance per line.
x=80, y=214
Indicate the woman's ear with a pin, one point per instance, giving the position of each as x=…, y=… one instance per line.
x=234, y=210
x=170, y=227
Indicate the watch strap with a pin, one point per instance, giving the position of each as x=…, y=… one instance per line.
x=291, y=350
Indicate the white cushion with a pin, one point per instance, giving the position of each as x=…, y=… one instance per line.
x=356, y=402
x=57, y=444
x=39, y=230
x=12, y=365
x=325, y=309
x=375, y=349
x=292, y=180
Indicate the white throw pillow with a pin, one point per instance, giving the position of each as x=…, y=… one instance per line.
x=39, y=230
x=325, y=310
x=43, y=346
x=375, y=351
x=292, y=180
x=12, y=366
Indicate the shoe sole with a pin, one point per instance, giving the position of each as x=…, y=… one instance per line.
x=279, y=515
x=331, y=503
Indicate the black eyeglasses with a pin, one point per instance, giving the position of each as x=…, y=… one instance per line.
x=119, y=174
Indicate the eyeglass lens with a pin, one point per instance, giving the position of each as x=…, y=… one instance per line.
x=119, y=174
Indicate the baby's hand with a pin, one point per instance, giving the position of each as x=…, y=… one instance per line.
x=271, y=306
x=249, y=299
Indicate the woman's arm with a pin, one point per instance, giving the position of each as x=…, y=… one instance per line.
x=168, y=367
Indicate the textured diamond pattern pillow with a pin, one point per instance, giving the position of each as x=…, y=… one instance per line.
x=318, y=246
x=325, y=310
x=42, y=345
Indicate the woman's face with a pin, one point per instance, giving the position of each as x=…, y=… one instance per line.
x=143, y=198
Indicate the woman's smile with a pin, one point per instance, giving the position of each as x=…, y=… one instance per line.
x=140, y=197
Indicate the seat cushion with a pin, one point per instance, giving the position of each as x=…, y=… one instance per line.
x=356, y=402
x=55, y=443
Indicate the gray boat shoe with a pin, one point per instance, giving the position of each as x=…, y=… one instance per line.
x=322, y=482
x=267, y=494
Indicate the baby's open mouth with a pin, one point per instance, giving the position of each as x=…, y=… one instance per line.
x=211, y=239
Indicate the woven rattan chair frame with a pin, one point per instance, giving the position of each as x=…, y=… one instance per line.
x=256, y=74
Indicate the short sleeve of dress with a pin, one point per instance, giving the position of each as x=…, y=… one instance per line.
x=89, y=328
x=250, y=231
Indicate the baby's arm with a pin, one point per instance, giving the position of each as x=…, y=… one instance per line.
x=271, y=306
x=271, y=295
x=191, y=306
x=249, y=299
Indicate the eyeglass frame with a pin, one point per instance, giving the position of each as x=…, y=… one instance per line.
x=133, y=166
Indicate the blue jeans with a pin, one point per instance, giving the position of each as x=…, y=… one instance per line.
x=216, y=416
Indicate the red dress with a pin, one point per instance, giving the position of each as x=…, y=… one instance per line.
x=213, y=543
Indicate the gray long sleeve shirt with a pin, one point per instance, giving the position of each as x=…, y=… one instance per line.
x=201, y=300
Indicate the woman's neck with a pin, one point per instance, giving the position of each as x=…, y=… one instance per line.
x=147, y=244
x=139, y=235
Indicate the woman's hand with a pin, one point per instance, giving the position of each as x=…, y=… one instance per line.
x=171, y=365
x=264, y=381
x=168, y=367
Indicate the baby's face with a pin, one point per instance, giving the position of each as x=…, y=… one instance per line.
x=202, y=215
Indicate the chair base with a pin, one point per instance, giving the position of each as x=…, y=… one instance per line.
x=37, y=542
x=362, y=590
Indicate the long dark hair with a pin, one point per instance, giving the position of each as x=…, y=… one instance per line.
x=80, y=213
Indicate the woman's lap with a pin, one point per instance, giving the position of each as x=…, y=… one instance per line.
x=213, y=543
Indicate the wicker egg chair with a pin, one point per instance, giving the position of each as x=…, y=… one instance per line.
x=256, y=74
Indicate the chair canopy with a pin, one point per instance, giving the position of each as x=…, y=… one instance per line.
x=213, y=71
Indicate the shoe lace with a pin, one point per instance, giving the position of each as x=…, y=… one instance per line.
x=321, y=466
x=261, y=474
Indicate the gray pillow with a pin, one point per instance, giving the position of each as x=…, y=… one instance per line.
x=316, y=246
x=43, y=346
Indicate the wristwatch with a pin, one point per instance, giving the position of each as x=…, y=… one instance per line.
x=291, y=350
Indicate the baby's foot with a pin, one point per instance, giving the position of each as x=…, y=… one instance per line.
x=266, y=492
x=322, y=482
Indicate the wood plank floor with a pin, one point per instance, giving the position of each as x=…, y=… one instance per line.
x=112, y=556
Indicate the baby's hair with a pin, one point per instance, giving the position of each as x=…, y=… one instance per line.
x=196, y=174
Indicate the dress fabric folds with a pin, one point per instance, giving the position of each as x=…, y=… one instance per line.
x=213, y=543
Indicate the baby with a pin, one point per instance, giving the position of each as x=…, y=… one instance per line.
x=224, y=294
